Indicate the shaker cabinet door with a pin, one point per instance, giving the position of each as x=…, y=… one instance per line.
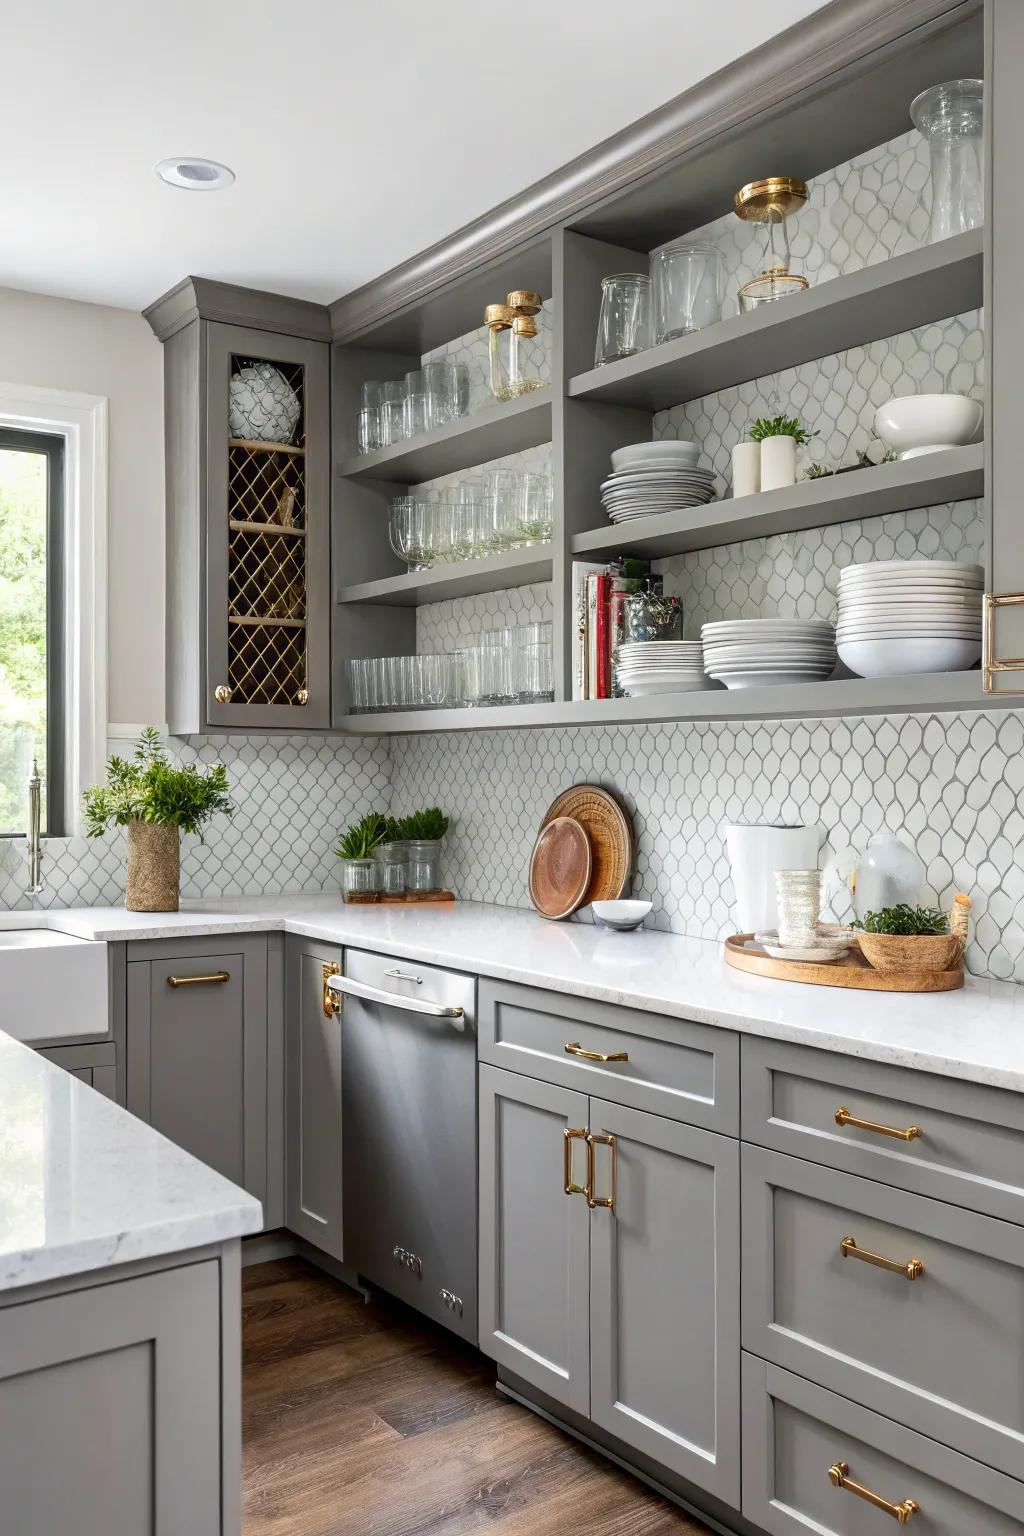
x=313, y=1098
x=534, y=1238
x=664, y=1294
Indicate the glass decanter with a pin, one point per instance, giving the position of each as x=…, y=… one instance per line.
x=950, y=118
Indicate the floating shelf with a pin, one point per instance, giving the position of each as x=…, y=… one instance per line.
x=513, y=568
x=920, y=693
x=882, y=300
x=953, y=475
x=255, y=446
x=491, y=433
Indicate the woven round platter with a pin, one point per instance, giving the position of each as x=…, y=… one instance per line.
x=560, y=868
x=611, y=837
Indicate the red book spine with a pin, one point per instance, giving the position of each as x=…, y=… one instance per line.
x=604, y=649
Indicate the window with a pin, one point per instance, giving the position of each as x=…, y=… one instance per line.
x=32, y=624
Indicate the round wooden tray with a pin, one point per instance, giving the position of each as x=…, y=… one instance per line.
x=611, y=837
x=560, y=868
x=852, y=971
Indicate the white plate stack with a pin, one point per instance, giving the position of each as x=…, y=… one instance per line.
x=661, y=666
x=648, y=478
x=899, y=616
x=762, y=653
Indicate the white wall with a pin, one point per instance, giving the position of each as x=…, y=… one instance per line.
x=61, y=344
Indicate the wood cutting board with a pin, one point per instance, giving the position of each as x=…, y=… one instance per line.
x=611, y=837
x=560, y=868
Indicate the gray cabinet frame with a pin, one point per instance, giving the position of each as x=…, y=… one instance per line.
x=313, y=1068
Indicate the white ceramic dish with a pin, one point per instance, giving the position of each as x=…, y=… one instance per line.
x=917, y=424
x=780, y=679
x=822, y=952
x=623, y=916
x=926, y=603
x=755, y=628
x=908, y=624
x=894, y=656
x=668, y=448
x=914, y=568
x=648, y=688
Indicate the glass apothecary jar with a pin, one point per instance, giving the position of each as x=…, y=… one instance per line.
x=624, y=320
x=359, y=879
x=950, y=117
x=391, y=862
x=423, y=864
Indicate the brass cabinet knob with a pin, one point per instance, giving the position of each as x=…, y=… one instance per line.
x=302, y=697
x=222, y=693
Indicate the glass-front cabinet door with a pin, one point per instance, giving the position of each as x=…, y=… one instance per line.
x=267, y=530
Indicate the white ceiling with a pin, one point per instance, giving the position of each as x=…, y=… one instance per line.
x=360, y=131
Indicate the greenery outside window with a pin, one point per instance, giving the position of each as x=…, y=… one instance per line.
x=32, y=617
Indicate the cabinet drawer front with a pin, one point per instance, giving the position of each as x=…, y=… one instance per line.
x=676, y=1068
x=794, y=1432
x=970, y=1150
x=940, y=1352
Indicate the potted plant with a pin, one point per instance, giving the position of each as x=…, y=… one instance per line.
x=905, y=938
x=356, y=851
x=422, y=833
x=156, y=802
x=778, y=437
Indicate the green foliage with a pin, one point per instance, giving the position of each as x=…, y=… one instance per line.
x=429, y=825
x=22, y=627
x=148, y=788
x=779, y=426
x=818, y=472
x=363, y=836
x=906, y=921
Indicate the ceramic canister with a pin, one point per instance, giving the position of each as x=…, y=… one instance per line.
x=755, y=854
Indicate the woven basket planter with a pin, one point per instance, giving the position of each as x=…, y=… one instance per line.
x=154, y=868
x=912, y=952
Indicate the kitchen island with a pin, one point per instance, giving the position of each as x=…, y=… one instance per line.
x=119, y=1318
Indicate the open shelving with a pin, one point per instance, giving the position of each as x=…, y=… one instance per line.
x=464, y=578
x=489, y=433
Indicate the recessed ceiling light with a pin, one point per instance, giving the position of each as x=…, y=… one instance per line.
x=194, y=174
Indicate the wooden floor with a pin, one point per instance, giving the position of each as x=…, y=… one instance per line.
x=365, y=1420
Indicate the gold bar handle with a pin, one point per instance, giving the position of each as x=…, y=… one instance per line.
x=575, y=1049
x=913, y=1269
x=991, y=664
x=839, y=1477
x=330, y=1000
x=844, y=1117
x=198, y=981
x=605, y=1203
x=571, y=1187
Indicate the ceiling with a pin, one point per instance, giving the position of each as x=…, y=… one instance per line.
x=360, y=131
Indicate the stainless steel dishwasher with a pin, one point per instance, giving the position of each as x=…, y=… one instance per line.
x=409, y=1133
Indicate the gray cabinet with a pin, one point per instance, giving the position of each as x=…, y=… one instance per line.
x=313, y=1064
x=199, y=1054
x=92, y=1064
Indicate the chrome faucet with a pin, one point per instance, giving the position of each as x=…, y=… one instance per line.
x=32, y=836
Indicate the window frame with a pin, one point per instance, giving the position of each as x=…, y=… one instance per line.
x=52, y=446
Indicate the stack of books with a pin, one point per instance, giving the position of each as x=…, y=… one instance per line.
x=599, y=593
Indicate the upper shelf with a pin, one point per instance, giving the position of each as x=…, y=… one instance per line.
x=882, y=300
x=953, y=475
x=490, y=433
x=464, y=578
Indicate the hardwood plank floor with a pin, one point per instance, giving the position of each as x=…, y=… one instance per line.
x=369, y=1421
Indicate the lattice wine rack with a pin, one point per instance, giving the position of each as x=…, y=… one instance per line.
x=267, y=563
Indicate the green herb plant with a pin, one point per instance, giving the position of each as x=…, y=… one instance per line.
x=910, y=922
x=363, y=836
x=149, y=788
x=423, y=826
x=779, y=426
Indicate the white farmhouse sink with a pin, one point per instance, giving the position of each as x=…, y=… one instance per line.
x=52, y=986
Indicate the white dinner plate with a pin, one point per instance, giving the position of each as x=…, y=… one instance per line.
x=916, y=568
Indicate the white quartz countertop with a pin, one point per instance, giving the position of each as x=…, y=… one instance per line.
x=976, y=1034
x=84, y=1185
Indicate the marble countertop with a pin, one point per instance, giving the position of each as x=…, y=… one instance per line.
x=84, y=1185
x=976, y=1034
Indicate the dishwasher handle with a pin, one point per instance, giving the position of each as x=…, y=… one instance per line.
x=352, y=988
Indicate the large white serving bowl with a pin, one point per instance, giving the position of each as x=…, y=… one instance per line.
x=666, y=450
x=778, y=679
x=917, y=424
x=893, y=656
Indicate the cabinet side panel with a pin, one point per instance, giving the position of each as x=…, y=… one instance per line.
x=184, y=449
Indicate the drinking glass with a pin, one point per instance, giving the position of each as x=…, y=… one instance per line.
x=533, y=680
x=392, y=413
x=624, y=323
x=686, y=281
x=503, y=491
x=950, y=116
x=368, y=421
x=409, y=531
x=439, y=387
x=415, y=403
x=535, y=508
x=460, y=372
x=358, y=674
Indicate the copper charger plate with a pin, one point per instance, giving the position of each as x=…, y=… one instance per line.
x=560, y=868
x=610, y=833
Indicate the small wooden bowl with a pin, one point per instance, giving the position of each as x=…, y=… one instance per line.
x=912, y=952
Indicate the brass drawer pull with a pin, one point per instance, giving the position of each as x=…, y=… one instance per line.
x=605, y=1203
x=839, y=1477
x=575, y=1049
x=198, y=981
x=912, y=1132
x=330, y=1000
x=571, y=1188
x=913, y=1269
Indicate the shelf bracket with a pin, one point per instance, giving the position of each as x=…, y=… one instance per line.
x=990, y=663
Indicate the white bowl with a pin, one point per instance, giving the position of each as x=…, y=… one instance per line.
x=893, y=656
x=666, y=451
x=916, y=424
x=621, y=915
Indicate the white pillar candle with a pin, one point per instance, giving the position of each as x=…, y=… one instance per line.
x=778, y=462
x=746, y=469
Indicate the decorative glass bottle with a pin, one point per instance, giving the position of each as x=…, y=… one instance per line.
x=499, y=319
x=950, y=118
x=524, y=374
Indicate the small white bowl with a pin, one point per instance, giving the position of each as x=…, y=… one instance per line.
x=666, y=451
x=623, y=916
x=917, y=424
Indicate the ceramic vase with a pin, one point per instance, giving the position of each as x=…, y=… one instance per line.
x=755, y=853
x=746, y=469
x=154, y=867
x=778, y=462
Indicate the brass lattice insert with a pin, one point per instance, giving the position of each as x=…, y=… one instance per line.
x=267, y=565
